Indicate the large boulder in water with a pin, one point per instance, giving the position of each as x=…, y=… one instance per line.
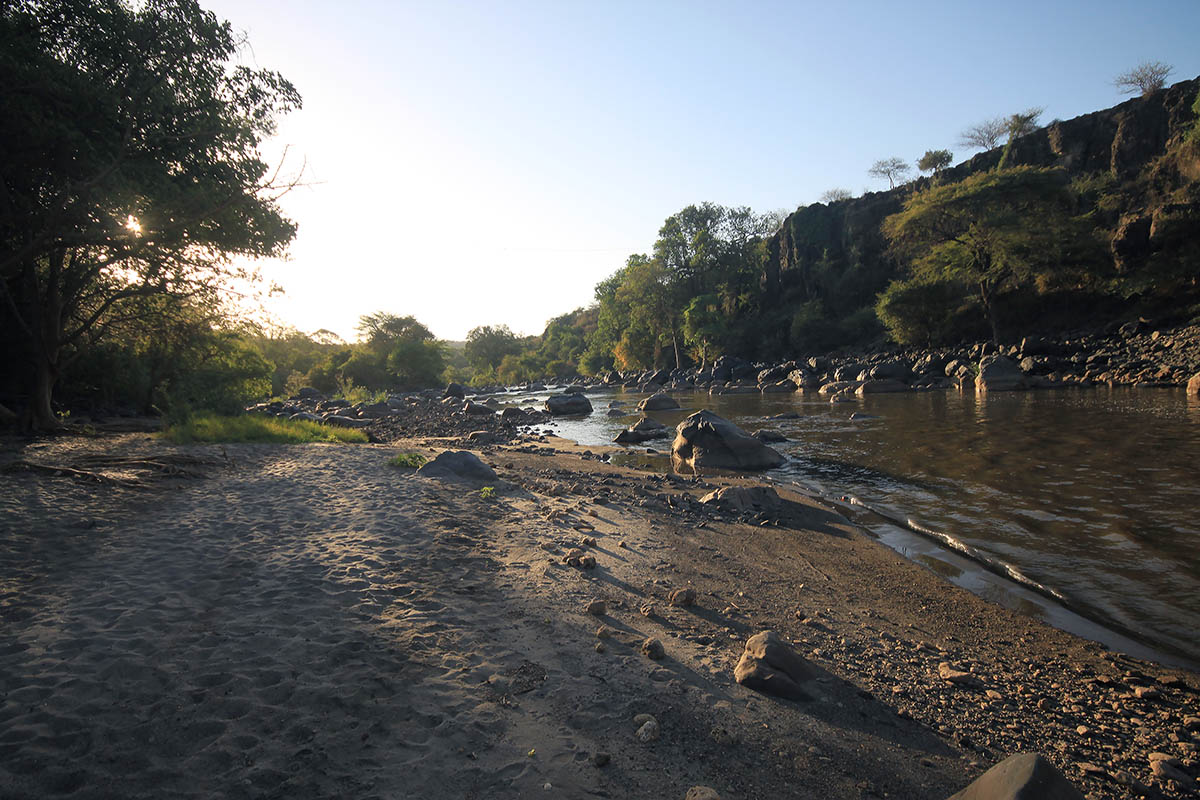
x=770, y=666
x=707, y=440
x=642, y=431
x=1193, y=386
x=658, y=402
x=565, y=404
x=1026, y=776
x=1000, y=374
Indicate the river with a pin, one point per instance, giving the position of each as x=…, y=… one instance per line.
x=1088, y=495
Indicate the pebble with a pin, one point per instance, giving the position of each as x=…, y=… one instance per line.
x=682, y=598
x=702, y=793
x=950, y=674
x=601, y=759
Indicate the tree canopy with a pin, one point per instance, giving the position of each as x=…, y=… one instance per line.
x=130, y=168
x=992, y=231
x=1146, y=78
x=935, y=161
x=891, y=169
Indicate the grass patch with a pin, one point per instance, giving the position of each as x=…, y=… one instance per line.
x=407, y=460
x=258, y=429
x=487, y=492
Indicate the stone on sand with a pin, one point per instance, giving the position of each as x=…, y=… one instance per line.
x=682, y=598
x=705, y=439
x=769, y=665
x=1026, y=776
x=653, y=649
x=458, y=465
x=742, y=499
x=701, y=793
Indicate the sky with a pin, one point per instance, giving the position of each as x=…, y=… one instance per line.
x=487, y=163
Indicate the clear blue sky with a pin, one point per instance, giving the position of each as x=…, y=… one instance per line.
x=479, y=163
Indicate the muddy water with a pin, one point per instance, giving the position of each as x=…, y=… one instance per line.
x=1091, y=495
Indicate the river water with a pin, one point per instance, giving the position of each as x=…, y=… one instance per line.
x=1091, y=496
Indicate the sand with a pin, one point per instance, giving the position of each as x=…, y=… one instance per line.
x=306, y=621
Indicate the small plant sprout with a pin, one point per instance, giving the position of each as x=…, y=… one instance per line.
x=487, y=492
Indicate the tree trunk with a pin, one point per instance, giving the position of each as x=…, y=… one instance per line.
x=989, y=311
x=675, y=344
x=39, y=414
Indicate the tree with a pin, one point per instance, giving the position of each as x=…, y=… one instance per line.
x=984, y=136
x=935, y=161
x=417, y=363
x=487, y=345
x=1146, y=78
x=894, y=169
x=1023, y=122
x=130, y=168
x=993, y=231
x=835, y=195
x=382, y=331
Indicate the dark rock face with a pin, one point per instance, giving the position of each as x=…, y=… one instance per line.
x=707, y=440
x=642, y=431
x=769, y=665
x=454, y=390
x=658, y=402
x=565, y=404
x=1026, y=776
x=457, y=465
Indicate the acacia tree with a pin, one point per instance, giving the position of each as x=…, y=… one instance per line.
x=129, y=168
x=487, y=345
x=935, y=161
x=1146, y=78
x=893, y=169
x=984, y=136
x=992, y=232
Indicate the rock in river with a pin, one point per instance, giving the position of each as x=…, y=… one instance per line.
x=1000, y=374
x=643, y=430
x=707, y=440
x=658, y=402
x=569, y=403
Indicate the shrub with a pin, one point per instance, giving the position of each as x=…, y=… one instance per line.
x=407, y=460
x=255, y=428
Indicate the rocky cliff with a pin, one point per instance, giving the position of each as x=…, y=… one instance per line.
x=1144, y=176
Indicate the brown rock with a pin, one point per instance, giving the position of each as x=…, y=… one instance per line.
x=770, y=666
x=653, y=649
x=683, y=597
x=701, y=793
x=951, y=674
x=742, y=499
x=597, y=608
x=1193, y=386
x=705, y=439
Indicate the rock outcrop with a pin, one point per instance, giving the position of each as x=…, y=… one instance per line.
x=457, y=465
x=707, y=440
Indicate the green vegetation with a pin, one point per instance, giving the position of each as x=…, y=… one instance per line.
x=125, y=199
x=487, y=492
x=1146, y=78
x=407, y=460
x=935, y=161
x=977, y=234
x=257, y=429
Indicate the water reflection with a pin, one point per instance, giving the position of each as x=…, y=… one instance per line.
x=1091, y=492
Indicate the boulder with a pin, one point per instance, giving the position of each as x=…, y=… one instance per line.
x=848, y=372
x=454, y=390
x=741, y=499
x=778, y=387
x=643, y=431
x=658, y=402
x=1025, y=776
x=472, y=408
x=1193, y=386
x=702, y=793
x=930, y=363
x=568, y=403
x=707, y=440
x=803, y=379
x=1000, y=374
x=512, y=414
x=837, y=387
x=482, y=437
x=309, y=393
x=768, y=435
x=881, y=386
x=457, y=465
x=769, y=665
x=894, y=370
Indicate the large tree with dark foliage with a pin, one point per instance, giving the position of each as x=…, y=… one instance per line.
x=129, y=168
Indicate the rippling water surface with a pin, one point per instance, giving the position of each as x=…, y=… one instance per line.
x=1093, y=493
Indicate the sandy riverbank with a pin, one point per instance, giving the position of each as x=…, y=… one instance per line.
x=306, y=621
